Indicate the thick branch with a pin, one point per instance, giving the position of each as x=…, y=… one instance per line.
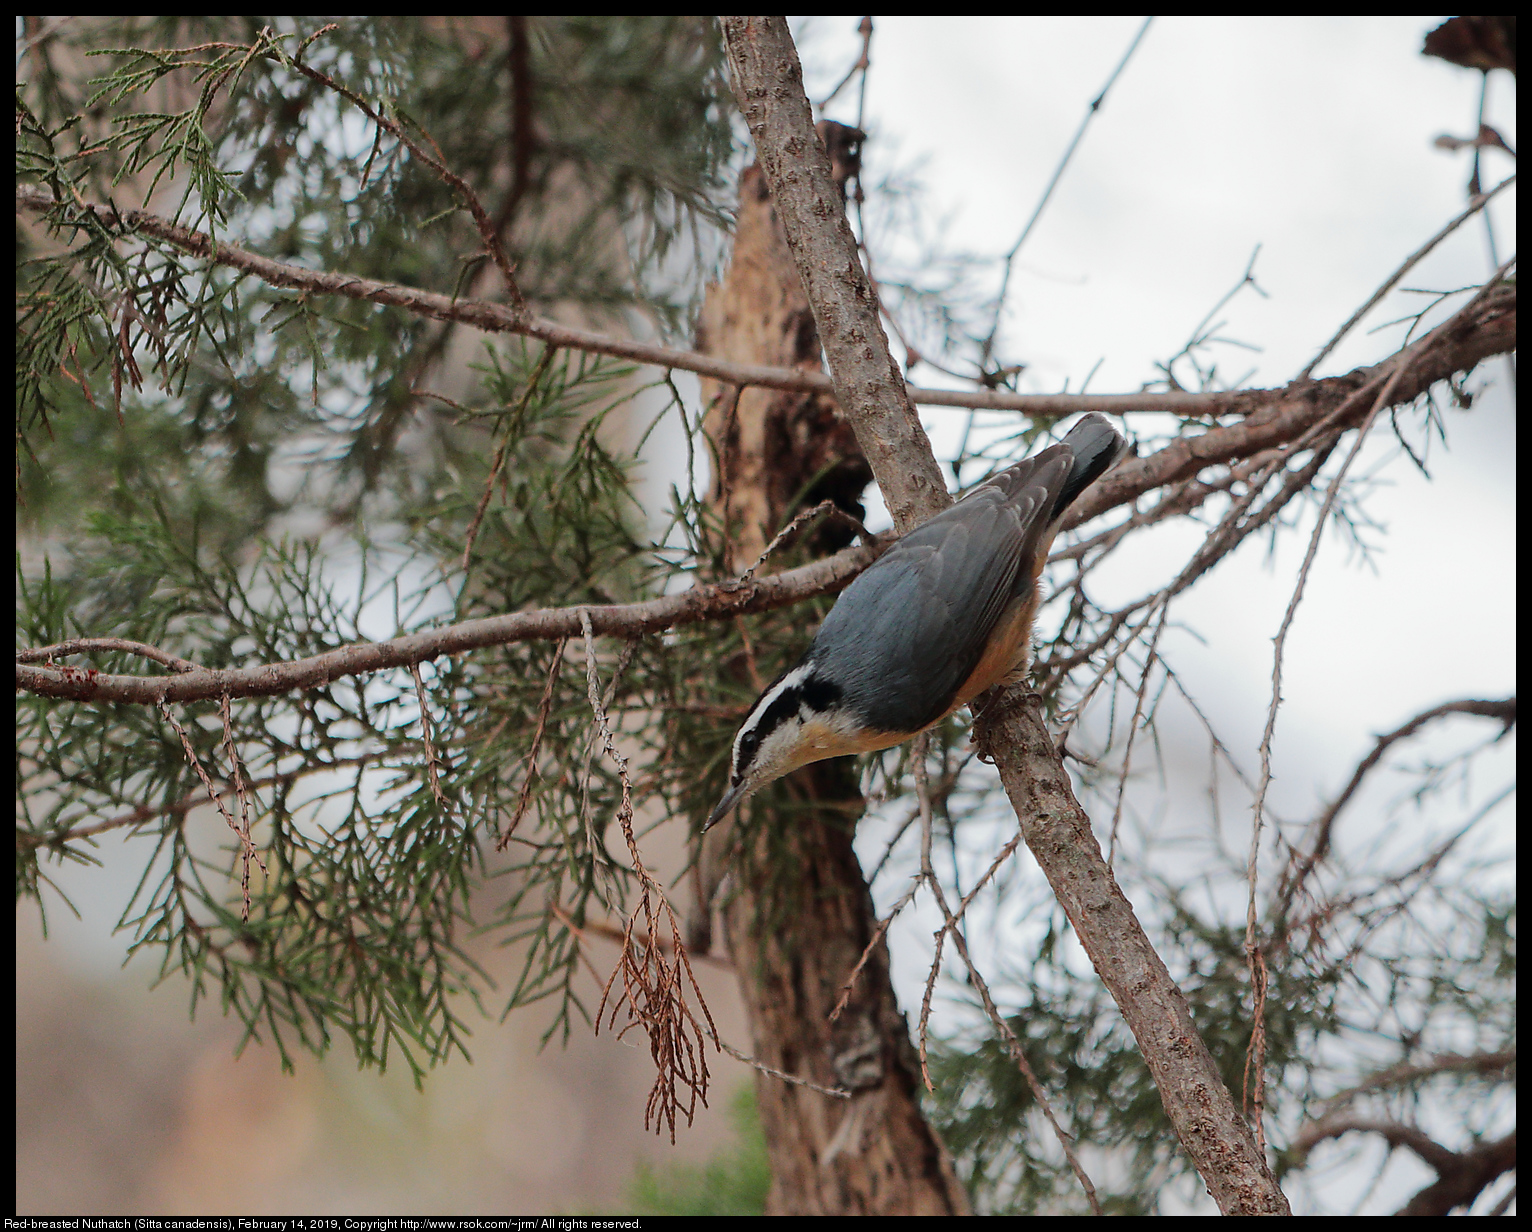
x=1059, y=835
x=768, y=86
x=725, y=600
x=767, y=80
x=1276, y=418
x=498, y=318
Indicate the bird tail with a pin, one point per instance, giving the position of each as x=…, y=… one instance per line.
x=1095, y=445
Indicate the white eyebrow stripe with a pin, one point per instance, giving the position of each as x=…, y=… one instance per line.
x=794, y=679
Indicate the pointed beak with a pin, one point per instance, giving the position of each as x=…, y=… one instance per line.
x=732, y=797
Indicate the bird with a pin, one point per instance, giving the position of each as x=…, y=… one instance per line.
x=940, y=617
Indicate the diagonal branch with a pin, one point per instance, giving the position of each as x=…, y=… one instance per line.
x=724, y=600
x=1503, y=710
x=501, y=318
x=1478, y=202
x=768, y=84
x=1485, y=328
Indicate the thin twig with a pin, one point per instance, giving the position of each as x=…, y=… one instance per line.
x=833, y=1092
x=807, y=515
x=863, y=62
x=87, y=645
x=425, y=733
x=610, y=932
x=1058, y=172
x=529, y=776
x=48, y=30
x=1407, y=1072
x=1409, y=263
x=247, y=845
x=1292, y=882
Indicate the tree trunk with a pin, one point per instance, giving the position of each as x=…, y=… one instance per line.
x=798, y=910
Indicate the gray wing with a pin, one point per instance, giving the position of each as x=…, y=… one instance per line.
x=913, y=627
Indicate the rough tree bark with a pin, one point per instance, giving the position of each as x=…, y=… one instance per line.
x=768, y=83
x=797, y=907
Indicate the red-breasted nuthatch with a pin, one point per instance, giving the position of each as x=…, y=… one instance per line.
x=941, y=616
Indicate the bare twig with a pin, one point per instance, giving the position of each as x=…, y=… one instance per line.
x=1409, y=263
x=610, y=932
x=1323, y=826
x=1058, y=172
x=833, y=1092
x=247, y=845
x=46, y=31
x=499, y=318
x=653, y=988
x=862, y=64
x=1151, y=657
x=87, y=645
x=807, y=515
x=1204, y=332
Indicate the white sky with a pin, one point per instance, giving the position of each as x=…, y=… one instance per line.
x=1309, y=136
x=1312, y=137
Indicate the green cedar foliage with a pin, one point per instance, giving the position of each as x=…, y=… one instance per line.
x=240, y=474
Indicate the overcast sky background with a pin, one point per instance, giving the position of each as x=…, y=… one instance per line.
x=1313, y=138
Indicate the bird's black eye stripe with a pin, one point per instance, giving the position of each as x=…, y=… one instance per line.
x=782, y=707
x=748, y=743
x=819, y=695
x=815, y=694
x=768, y=721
